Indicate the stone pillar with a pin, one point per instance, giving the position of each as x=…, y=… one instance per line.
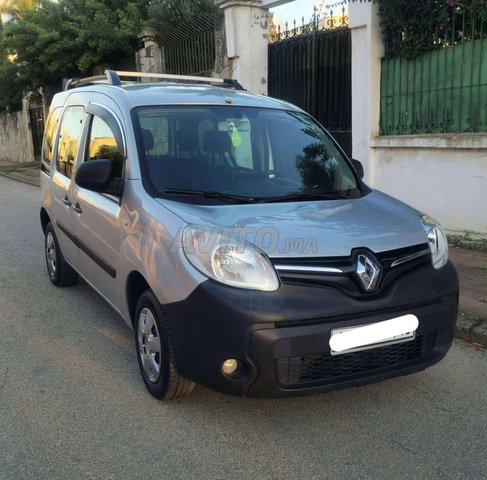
x=149, y=58
x=367, y=51
x=247, y=39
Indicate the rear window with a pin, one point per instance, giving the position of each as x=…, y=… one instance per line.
x=48, y=141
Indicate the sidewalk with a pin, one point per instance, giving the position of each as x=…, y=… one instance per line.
x=471, y=266
x=27, y=172
x=472, y=270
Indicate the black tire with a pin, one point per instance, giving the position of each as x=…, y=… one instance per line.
x=60, y=273
x=150, y=325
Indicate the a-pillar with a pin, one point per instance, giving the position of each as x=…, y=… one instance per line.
x=247, y=40
x=367, y=51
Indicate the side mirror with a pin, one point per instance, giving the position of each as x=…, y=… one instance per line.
x=96, y=175
x=359, y=168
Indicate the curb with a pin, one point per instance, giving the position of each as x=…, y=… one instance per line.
x=471, y=329
x=8, y=174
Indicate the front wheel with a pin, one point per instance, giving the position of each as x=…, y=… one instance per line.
x=155, y=352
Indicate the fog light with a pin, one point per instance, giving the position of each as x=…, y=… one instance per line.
x=229, y=366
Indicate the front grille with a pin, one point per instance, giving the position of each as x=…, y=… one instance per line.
x=340, y=272
x=320, y=369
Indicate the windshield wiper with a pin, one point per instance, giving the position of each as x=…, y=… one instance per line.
x=210, y=194
x=303, y=196
x=241, y=198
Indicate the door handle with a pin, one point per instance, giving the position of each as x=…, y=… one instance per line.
x=67, y=201
x=77, y=208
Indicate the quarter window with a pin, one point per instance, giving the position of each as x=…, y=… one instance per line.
x=71, y=126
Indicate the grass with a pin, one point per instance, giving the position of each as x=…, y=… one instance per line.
x=469, y=240
x=467, y=315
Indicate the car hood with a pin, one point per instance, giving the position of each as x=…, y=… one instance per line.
x=313, y=228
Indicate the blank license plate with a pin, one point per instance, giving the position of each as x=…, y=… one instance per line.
x=364, y=337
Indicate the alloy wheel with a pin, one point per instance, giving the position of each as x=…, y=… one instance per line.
x=51, y=254
x=149, y=345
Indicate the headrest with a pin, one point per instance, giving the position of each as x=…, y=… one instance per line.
x=216, y=142
x=187, y=139
x=148, y=139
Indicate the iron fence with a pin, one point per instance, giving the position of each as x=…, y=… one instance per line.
x=190, y=48
x=191, y=55
x=444, y=89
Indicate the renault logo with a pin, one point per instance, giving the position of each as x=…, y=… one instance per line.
x=368, y=271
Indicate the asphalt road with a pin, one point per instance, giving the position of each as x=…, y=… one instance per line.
x=72, y=404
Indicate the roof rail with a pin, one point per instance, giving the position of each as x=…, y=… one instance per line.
x=188, y=78
x=79, y=82
x=112, y=77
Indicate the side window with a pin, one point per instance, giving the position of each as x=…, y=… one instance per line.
x=103, y=145
x=69, y=137
x=48, y=142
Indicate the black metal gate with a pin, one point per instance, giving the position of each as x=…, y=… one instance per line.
x=36, y=116
x=311, y=67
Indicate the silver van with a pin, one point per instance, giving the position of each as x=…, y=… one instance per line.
x=234, y=236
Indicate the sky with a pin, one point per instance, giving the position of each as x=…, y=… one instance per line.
x=299, y=8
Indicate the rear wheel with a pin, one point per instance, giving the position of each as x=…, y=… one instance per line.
x=155, y=352
x=60, y=273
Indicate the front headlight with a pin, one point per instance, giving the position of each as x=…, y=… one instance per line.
x=436, y=239
x=228, y=260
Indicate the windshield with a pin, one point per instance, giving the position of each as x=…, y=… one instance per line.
x=261, y=154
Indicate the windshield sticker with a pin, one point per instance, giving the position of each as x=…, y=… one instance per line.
x=234, y=134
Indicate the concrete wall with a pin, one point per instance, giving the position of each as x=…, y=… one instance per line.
x=442, y=175
x=15, y=137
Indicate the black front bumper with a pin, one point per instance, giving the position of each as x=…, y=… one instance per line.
x=282, y=338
